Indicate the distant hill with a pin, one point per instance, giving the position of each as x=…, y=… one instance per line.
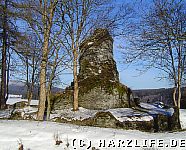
x=19, y=88
x=162, y=94
x=151, y=95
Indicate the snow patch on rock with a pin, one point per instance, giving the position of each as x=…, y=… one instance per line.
x=121, y=114
x=27, y=112
x=69, y=114
x=156, y=110
x=5, y=114
x=12, y=101
x=128, y=114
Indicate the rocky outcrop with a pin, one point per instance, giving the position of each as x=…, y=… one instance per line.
x=145, y=117
x=99, y=86
x=165, y=118
x=101, y=91
x=120, y=118
x=96, y=57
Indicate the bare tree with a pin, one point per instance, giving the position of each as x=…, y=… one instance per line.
x=39, y=16
x=9, y=36
x=80, y=19
x=75, y=16
x=4, y=53
x=29, y=53
x=43, y=18
x=48, y=11
x=159, y=42
x=57, y=63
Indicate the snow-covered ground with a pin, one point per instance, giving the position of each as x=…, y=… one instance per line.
x=40, y=136
x=13, y=100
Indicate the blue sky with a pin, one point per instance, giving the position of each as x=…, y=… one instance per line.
x=130, y=76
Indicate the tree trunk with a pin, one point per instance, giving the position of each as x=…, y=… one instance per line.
x=32, y=80
x=179, y=123
x=8, y=75
x=4, y=51
x=179, y=96
x=49, y=104
x=174, y=96
x=42, y=96
x=27, y=80
x=52, y=76
x=48, y=95
x=179, y=75
x=30, y=97
x=30, y=93
x=47, y=24
x=76, y=89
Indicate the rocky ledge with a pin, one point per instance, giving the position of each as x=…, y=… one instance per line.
x=145, y=117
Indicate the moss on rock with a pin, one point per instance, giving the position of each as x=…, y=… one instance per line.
x=98, y=78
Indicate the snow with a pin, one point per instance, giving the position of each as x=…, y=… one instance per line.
x=90, y=43
x=147, y=106
x=68, y=114
x=128, y=114
x=40, y=136
x=27, y=112
x=5, y=113
x=155, y=110
x=121, y=114
x=12, y=101
x=14, y=96
x=29, y=109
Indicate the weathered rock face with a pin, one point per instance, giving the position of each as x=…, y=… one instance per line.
x=96, y=57
x=145, y=117
x=99, y=86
